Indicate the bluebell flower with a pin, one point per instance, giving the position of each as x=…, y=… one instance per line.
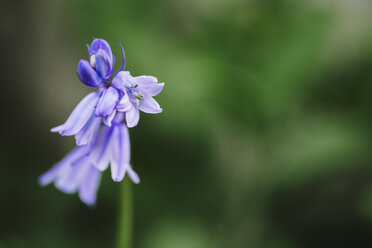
x=134, y=93
x=99, y=69
x=126, y=94
x=75, y=173
x=138, y=95
x=100, y=124
x=112, y=147
x=80, y=170
x=84, y=121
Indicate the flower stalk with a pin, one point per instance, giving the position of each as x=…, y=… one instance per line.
x=125, y=229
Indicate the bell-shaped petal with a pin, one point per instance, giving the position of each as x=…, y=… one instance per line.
x=149, y=105
x=103, y=64
x=89, y=186
x=120, y=152
x=107, y=102
x=100, y=154
x=107, y=120
x=98, y=44
x=132, y=117
x=125, y=104
x=88, y=75
x=79, y=116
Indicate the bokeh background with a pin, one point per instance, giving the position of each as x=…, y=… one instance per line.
x=265, y=140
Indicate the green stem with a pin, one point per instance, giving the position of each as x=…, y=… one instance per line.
x=125, y=215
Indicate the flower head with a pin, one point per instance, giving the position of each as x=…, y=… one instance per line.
x=100, y=124
x=125, y=94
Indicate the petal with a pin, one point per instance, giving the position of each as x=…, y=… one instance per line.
x=73, y=178
x=149, y=105
x=132, y=174
x=103, y=64
x=155, y=90
x=89, y=186
x=107, y=102
x=62, y=172
x=119, y=117
x=62, y=167
x=88, y=133
x=108, y=119
x=88, y=75
x=146, y=81
x=122, y=80
x=125, y=104
x=132, y=117
x=75, y=173
x=149, y=85
x=98, y=44
x=79, y=116
x=120, y=152
x=99, y=155
x=49, y=176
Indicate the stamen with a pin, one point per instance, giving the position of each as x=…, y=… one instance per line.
x=138, y=96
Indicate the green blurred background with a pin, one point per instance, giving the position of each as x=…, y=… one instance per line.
x=265, y=140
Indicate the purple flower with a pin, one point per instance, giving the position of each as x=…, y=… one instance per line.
x=75, y=173
x=80, y=170
x=114, y=107
x=134, y=93
x=137, y=95
x=113, y=147
x=96, y=72
x=126, y=94
x=106, y=106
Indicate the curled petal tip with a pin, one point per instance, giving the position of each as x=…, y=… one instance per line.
x=55, y=129
x=42, y=182
x=81, y=143
x=133, y=175
x=117, y=179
